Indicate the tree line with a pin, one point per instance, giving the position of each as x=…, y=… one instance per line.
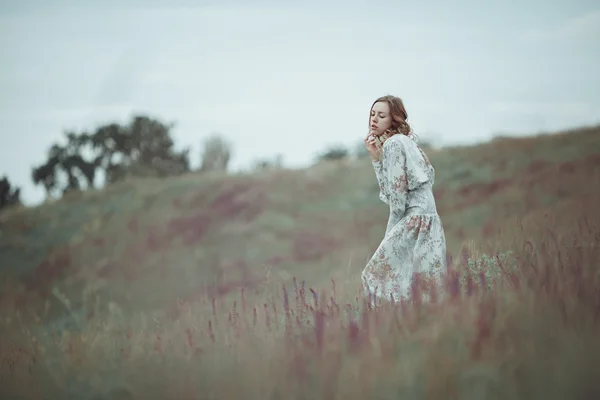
x=143, y=147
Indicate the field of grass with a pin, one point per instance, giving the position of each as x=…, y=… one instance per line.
x=247, y=286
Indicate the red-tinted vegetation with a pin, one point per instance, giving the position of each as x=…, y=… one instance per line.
x=250, y=287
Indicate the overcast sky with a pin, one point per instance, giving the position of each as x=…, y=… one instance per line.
x=291, y=77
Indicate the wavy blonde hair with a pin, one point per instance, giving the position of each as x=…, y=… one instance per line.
x=399, y=118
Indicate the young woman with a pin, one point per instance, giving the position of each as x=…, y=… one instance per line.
x=414, y=242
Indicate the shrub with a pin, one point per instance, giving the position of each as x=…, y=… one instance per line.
x=216, y=154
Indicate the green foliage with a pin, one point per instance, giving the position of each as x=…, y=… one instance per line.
x=216, y=154
x=9, y=195
x=337, y=152
x=456, y=170
x=360, y=151
x=489, y=268
x=268, y=163
x=426, y=144
x=142, y=148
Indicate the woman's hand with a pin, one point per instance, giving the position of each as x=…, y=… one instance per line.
x=372, y=147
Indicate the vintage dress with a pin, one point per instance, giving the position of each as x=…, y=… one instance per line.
x=414, y=239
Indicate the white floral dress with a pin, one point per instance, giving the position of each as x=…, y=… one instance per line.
x=414, y=241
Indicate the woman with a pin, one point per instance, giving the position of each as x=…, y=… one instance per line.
x=414, y=242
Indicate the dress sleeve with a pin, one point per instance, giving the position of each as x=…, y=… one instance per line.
x=378, y=166
x=405, y=169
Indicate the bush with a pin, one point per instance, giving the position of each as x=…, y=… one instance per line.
x=216, y=154
x=360, y=151
x=9, y=195
x=264, y=163
x=333, y=153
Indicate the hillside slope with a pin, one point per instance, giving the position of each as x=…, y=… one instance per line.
x=147, y=244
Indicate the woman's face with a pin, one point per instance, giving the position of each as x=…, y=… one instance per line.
x=380, y=120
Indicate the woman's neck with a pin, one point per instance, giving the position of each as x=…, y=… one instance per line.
x=381, y=139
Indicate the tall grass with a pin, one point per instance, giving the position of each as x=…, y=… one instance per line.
x=518, y=325
x=519, y=316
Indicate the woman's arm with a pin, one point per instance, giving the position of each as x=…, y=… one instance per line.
x=405, y=170
x=378, y=166
x=396, y=177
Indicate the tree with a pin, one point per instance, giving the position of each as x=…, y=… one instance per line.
x=334, y=153
x=67, y=160
x=142, y=148
x=265, y=163
x=216, y=154
x=360, y=150
x=46, y=173
x=9, y=195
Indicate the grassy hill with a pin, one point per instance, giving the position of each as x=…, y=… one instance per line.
x=148, y=254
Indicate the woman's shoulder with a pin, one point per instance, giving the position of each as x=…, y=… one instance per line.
x=398, y=141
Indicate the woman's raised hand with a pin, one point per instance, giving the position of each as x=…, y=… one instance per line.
x=371, y=146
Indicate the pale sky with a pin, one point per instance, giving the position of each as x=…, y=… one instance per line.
x=291, y=77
